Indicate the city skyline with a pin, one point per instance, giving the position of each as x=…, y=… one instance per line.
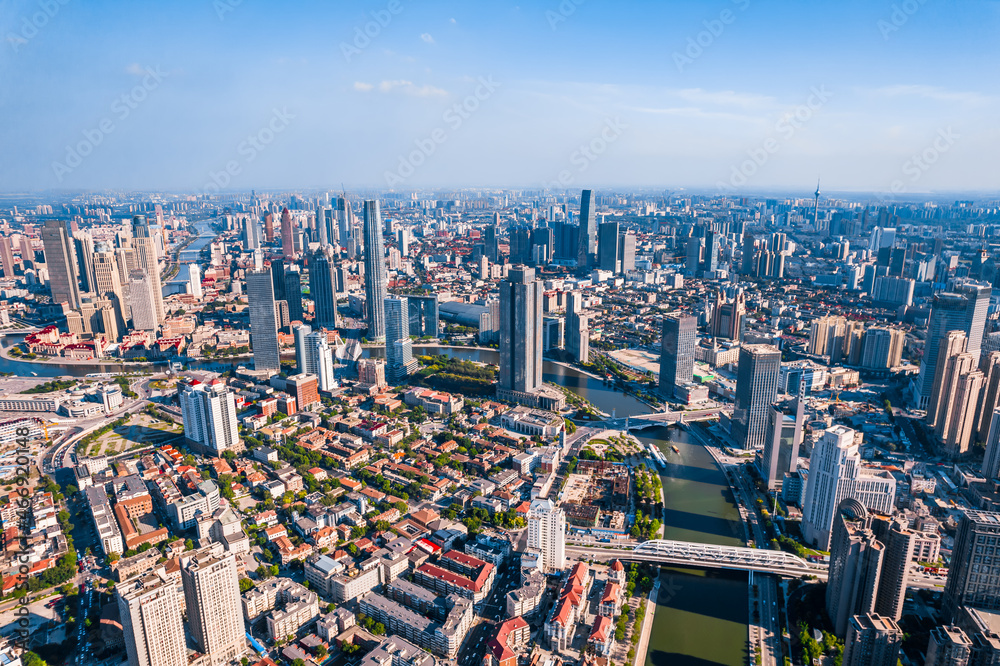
x=680, y=97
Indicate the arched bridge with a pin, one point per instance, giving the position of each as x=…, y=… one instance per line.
x=663, y=551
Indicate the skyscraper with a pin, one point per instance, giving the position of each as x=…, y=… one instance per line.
x=948, y=646
x=586, y=248
x=520, y=331
x=626, y=253
x=547, y=534
x=783, y=438
x=141, y=301
x=677, y=342
x=520, y=245
x=287, y=235
x=147, y=260
x=965, y=310
x=293, y=292
x=951, y=346
x=108, y=283
x=209, y=413
x=194, y=281
x=150, y=610
x=991, y=461
x=300, y=332
x=577, y=328
x=398, y=346
x=855, y=566
x=263, y=321
x=83, y=246
x=376, y=277
x=835, y=474
x=974, y=574
x=607, y=247
x=756, y=389
x=6, y=257
x=212, y=595
x=492, y=244
x=318, y=358
x=872, y=640
x=423, y=315
x=60, y=263
x=990, y=399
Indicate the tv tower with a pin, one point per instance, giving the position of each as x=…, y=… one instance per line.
x=816, y=207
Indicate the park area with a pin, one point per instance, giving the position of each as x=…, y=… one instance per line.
x=132, y=431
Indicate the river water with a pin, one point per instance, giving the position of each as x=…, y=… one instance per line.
x=701, y=617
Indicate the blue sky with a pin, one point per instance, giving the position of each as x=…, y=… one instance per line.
x=741, y=94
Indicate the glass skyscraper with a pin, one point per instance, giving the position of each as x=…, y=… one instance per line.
x=680, y=335
x=398, y=346
x=376, y=277
x=263, y=322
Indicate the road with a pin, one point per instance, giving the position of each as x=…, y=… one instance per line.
x=489, y=613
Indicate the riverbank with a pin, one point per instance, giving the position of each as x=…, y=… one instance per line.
x=647, y=623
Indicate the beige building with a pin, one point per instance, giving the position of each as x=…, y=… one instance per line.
x=150, y=609
x=212, y=593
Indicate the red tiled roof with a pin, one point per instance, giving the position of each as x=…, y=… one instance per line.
x=602, y=629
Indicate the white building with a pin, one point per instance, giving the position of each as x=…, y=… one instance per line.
x=835, y=474
x=209, y=412
x=212, y=593
x=150, y=609
x=194, y=281
x=547, y=534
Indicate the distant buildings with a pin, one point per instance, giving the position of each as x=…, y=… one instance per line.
x=323, y=287
x=587, y=239
x=577, y=328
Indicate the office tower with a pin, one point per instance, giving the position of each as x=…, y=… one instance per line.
x=626, y=253
x=6, y=257
x=60, y=263
x=150, y=611
x=344, y=221
x=300, y=332
x=882, y=348
x=692, y=255
x=963, y=310
x=520, y=245
x=263, y=321
x=855, y=566
x=141, y=302
x=209, y=413
x=974, y=575
x=520, y=331
x=287, y=235
x=403, y=241
x=269, y=227
x=251, y=233
x=607, y=247
x=293, y=292
x=317, y=358
x=991, y=461
x=492, y=244
x=542, y=245
x=872, y=640
x=323, y=288
x=83, y=246
x=948, y=646
x=710, y=255
x=194, y=281
x=586, y=247
x=677, y=343
x=27, y=250
x=756, y=389
x=281, y=314
x=147, y=260
x=728, y=317
x=278, y=278
x=783, y=438
x=376, y=278
x=322, y=230
x=423, y=316
x=577, y=328
x=880, y=238
x=835, y=474
x=547, y=534
x=950, y=348
x=899, y=542
x=398, y=346
x=108, y=284
x=212, y=597
x=893, y=291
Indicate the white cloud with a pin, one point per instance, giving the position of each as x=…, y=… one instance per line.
x=930, y=92
x=362, y=86
x=452, y=20
x=408, y=88
x=427, y=37
x=725, y=98
x=135, y=69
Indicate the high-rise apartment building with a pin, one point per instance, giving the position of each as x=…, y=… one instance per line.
x=492, y=244
x=212, y=597
x=974, y=574
x=209, y=413
x=6, y=256
x=150, y=610
x=323, y=287
x=586, y=249
x=305, y=388
x=728, y=317
x=952, y=345
x=194, y=281
x=547, y=534
x=376, y=277
x=263, y=321
x=991, y=461
x=990, y=397
x=882, y=348
x=83, y=246
x=785, y=422
x=398, y=346
x=835, y=474
x=677, y=344
x=147, y=260
x=61, y=263
x=948, y=646
x=872, y=640
x=963, y=309
x=756, y=389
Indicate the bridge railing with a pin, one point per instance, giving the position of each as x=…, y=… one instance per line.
x=720, y=554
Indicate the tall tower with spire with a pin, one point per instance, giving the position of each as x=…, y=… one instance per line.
x=816, y=207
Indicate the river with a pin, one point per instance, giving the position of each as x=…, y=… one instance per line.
x=189, y=255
